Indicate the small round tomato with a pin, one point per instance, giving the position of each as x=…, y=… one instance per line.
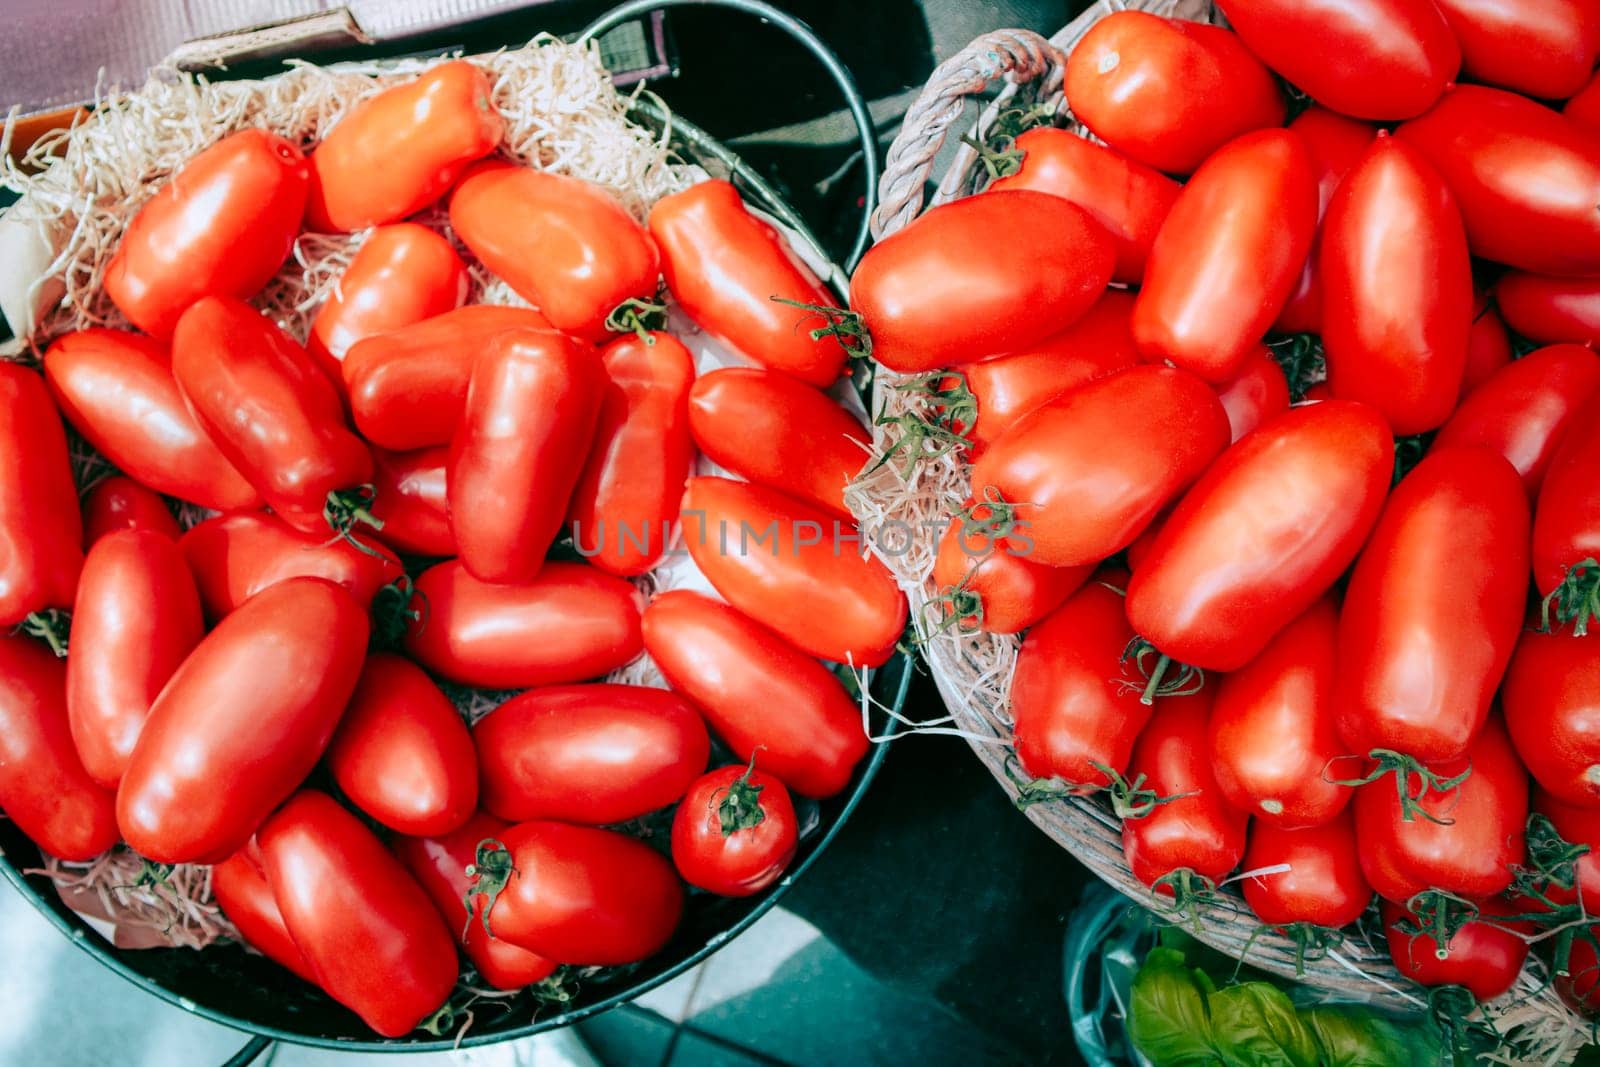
x=780, y=432
x=234, y=557
x=530, y=414
x=398, y=151
x=592, y=754
x=1228, y=256
x=1129, y=199
x=786, y=565
x=1424, y=642
x=41, y=530
x=1524, y=409
x=980, y=277
x=760, y=695
x=1075, y=708
x=1273, y=731
x=402, y=753
x=242, y=722
x=1463, y=841
x=564, y=244
x=1378, y=59
x=987, y=581
x=739, y=280
x=221, y=226
x=1396, y=289
x=1545, y=49
x=401, y=274
x=440, y=864
x=1168, y=92
x=410, y=498
x=1259, y=394
x=43, y=786
x=1551, y=698
x=272, y=413
x=627, y=497
x=1549, y=308
x=1488, y=345
x=368, y=930
x=735, y=832
x=1485, y=957
x=407, y=387
x=1323, y=886
x=137, y=617
x=1079, y=501
x=1566, y=523
x=117, y=390
x=584, y=896
x=120, y=503
x=241, y=890
x=569, y=624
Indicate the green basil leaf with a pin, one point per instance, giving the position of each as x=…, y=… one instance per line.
x=1167, y=1015
x=1255, y=1025
x=1350, y=1036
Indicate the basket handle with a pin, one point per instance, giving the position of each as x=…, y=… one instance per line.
x=1015, y=55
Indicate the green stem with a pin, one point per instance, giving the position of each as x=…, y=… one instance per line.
x=638, y=316
x=52, y=626
x=845, y=326
x=1148, y=697
x=490, y=873
x=1575, y=600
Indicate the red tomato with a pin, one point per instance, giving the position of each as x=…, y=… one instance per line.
x=410, y=498
x=407, y=387
x=593, y=754
x=41, y=530
x=738, y=279
x=530, y=413
x=273, y=414
x=221, y=226
x=368, y=930
x=234, y=557
x=242, y=722
x=1259, y=394
x=1129, y=199
x=1397, y=289
x=1548, y=308
x=120, y=503
x=759, y=695
x=1525, y=178
x=1584, y=107
x=402, y=274
x=241, y=890
x=1323, y=886
x=1424, y=641
x=1263, y=534
x=580, y=895
x=398, y=151
x=735, y=832
x=1523, y=411
x=1566, y=519
x=564, y=244
x=1578, y=825
x=1579, y=985
x=1551, y=698
x=779, y=432
x=988, y=582
x=1371, y=59
x=1482, y=956
x=568, y=624
x=1273, y=731
x=1488, y=346
x=632, y=483
x=1540, y=48
x=1168, y=92
x=1008, y=387
x=1335, y=143
x=1198, y=830
x=43, y=786
x=1074, y=707
x=1228, y=255
x=1079, y=501
x=402, y=753
x=778, y=561
x=1472, y=851
x=980, y=277
x=117, y=390
x=439, y=864
x=136, y=619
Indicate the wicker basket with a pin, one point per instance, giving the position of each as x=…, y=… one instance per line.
x=973, y=671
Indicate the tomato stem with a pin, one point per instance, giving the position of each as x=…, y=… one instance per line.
x=1303, y=363
x=638, y=316
x=1575, y=600
x=999, y=162
x=1133, y=800
x=52, y=626
x=843, y=325
x=1440, y=915
x=739, y=805
x=1185, y=679
x=1189, y=890
x=1405, y=768
x=346, y=508
x=954, y=406
x=395, y=608
x=490, y=872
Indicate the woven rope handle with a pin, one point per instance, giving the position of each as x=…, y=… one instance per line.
x=1016, y=55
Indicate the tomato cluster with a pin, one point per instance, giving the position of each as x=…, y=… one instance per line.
x=262, y=691
x=1194, y=409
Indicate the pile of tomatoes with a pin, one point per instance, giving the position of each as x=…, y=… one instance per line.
x=1321, y=631
x=262, y=691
